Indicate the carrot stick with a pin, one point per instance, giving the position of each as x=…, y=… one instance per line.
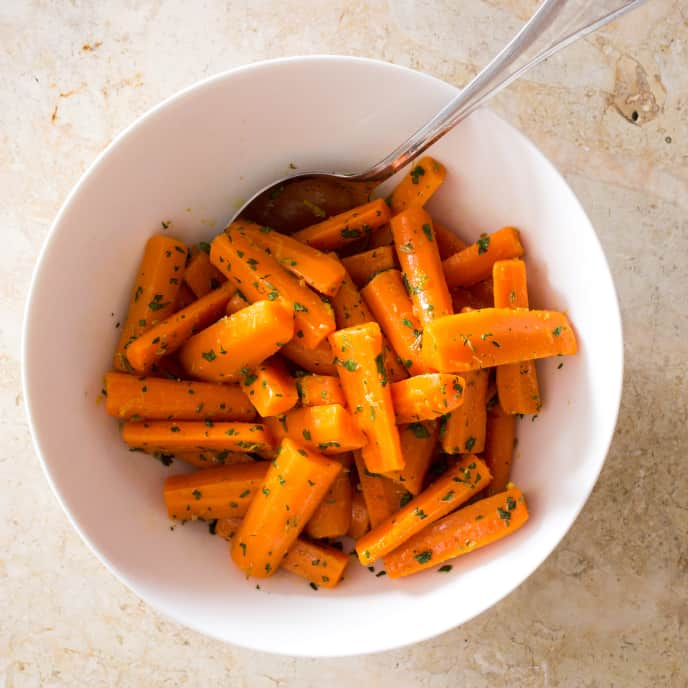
x=428, y=396
x=418, y=441
x=185, y=297
x=296, y=482
x=478, y=296
x=201, y=275
x=169, y=335
x=361, y=370
x=517, y=383
x=329, y=429
x=213, y=493
x=421, y=182
x=224, y=351
x=129, y=396
x=456, y=486
x=388, y=300
x=206, y=459
x=236, y=303
x=154, y=292
x=332, y=518
x=379, y=493
x=381, y=237
x=474, y=264
x=362, y=267
x=359, y=516
x=463, y=432
x=270, y=388
x=467, y=529
x=260, y=276
x=320, y=390
x=448, y=242
x=319, y=360
x=416, y=247
x=346, y=227
x=499, y=447
x=495, y=336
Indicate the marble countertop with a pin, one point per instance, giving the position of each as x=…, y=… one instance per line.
x=610, y=606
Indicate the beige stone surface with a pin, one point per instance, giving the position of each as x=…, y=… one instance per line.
x=610, y=606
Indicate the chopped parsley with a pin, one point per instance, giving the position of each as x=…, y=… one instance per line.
x=427, y=230
x=204, y=246
x=209, y=355
x=419, y=430
x=483, y=244
x=423, y=557
x=416, y=173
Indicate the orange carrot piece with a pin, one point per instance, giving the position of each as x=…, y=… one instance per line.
x=474, y=264
x=427, y=396
x=319, y=360
x=185, y=297
x=448, y=242
x=154, y=293
x=416, y=247
x=360, y=523
x=320, y=390
x=499, y=447
x=362, y=267
x=474, y=526
x=201, y=275
x=260, y=276
x=421, y=182
x=332, y=518
x=463, y=432
x=418, y=441
x=381, y=237
x=213, y=493
x=270, y=388
x=296, y=482
x=346, y=227
x=129, y=396
x=495, y=336
x=224, y=351
x=478, y=296
x=360, y=365
x=456, y=486
x=236, y=303
x=206, y=459
x=379, y=493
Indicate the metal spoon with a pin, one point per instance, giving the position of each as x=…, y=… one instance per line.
x=293, y=202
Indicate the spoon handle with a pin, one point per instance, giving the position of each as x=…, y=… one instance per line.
x=555, y=24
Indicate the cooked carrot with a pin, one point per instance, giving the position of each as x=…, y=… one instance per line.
x=414, y=240
x=467, y=529
x=236, y=303
x=332, y=518
x=360, y=365
x=296, y=482
x=448, y=242
x=213, y=493
x=499, y=447
x=360, y=523
x=381, y=237
x=463, y=432
x=319, y=360
x=233, y=345
x=270, y=388
x=320, y=270
x=320, y=390
x=379, y=493
x=495, y=336
x=154, y=292
x=456, y=486
x=478, y=296
x=389, y=302
x=346, y=227
x=418, y=441
x=517, y=383
x=330, y=429
x=201, y=275
x=170, y=437
x=421, y=182
x=211, y=459
x=185, y=297
x=427, y=396
x=362, y=267
x=129, y=396
x=260, y=276
x=474, y=264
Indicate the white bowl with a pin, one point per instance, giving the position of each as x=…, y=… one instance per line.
x=189, y=161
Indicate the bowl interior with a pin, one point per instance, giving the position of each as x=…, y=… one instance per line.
x=189, y=162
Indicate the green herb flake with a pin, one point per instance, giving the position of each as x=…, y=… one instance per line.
x=416, y=173
x=209, y=355
x=350, y=233
x=427, y=230
x=470, y=443
x=204, y=246
x=420, y=513
x=300, y=308
x=266, y=491
x=556, y=331
x=423, y=557
x=307, y=434
x=483, y=244
x=444, y=569
x=197, y=494
x=448, y=497
x=419, y=430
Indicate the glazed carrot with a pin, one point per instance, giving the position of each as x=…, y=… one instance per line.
x=346, y=227
x=517, y=383
x=170, y=437
x=330, y=429
x=478, y=296
x=224, y=351
x=379, y=493
x=332, y=518
x=495, y=336
x=129, y=396
x=463, y=431
x=448, y=242
x=320, y=270
x=456, y=486
x=270, y=388
x=296, y=482
x=414, y=240
x=421, y=182
x=389, y=302
x=359, y=516
x=319, y=390
x=418, y=441
x=201, y=275
x=260, y=276
x=318, y=360
x=474, y=264
x=213, y=493
x=381, y=237
x=169, y=335
x=499, y=447
x=362, y=267
x=467, y=529
x=154, y=292
x=185, y=297
x=211, y=459
x=361, y=370
x=427, y=396
x=236, y=303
